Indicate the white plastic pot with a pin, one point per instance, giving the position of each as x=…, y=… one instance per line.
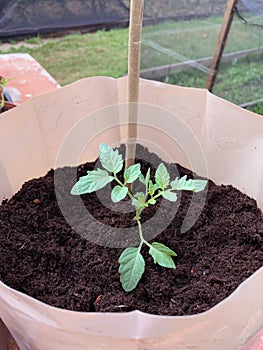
x=32, y=135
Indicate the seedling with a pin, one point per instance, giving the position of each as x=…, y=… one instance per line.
x=3, y=82
x=132, y=264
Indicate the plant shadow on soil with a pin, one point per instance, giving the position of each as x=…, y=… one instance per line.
x=44, y=257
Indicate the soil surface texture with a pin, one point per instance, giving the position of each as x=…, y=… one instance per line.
x=47, y=258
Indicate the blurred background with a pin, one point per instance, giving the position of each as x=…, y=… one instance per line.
x=73, y=39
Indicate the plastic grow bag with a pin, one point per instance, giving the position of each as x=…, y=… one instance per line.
x=227, y=136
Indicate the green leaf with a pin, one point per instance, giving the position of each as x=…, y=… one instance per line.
x=111, y=160
x=145, y=180
x=140, y=196
x=139, y=201
x=142, y=179
x=118, y=193
x=162, y=177
x=151, y=188
x=3, y=81
x=170, y=196
x=179, y=183
x=163, y=248
x=188, y=185
x=152, y=201
x=93, y=181
x=162, y=255
x=136, y=203
x=174, y=183
x=138, y=206
x=132, y=173
x=147, y=177
x=131, y=268
x=199, y=185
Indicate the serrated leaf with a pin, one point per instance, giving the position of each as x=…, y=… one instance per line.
x=183, y=184
x=110, y=160
x=199, y=185
x=162, y=255
x=169, y=195
x=162, y=177
x=118, y=193
x=132, y=173
x=93, y=181
x=131, y=268
x=174, y=183
x=179, y=183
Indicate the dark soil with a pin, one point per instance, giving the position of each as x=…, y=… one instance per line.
x=41, y=254
x=6, y=107
x=2, y=110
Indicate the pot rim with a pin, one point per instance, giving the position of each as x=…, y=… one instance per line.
x=240, y=287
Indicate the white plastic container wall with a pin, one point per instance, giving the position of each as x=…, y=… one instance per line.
x=227, y=136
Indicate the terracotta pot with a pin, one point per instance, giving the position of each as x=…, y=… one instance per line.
x=227, y=136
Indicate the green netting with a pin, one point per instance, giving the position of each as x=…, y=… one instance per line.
x=179, y=52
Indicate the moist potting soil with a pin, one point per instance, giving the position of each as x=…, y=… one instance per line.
x=46, y=258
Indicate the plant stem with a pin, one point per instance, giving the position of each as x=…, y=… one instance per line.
x=157, y=195
x=141, y=235
x=138, y=220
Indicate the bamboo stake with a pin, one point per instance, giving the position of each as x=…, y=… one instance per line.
x=136, y=17
x=222, y=38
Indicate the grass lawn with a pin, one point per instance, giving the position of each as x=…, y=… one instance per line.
x=193, y=39
x=75, y=56
x=238, y=81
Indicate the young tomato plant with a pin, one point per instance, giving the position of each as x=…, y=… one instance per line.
x=131, y=261
x=3, y=82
